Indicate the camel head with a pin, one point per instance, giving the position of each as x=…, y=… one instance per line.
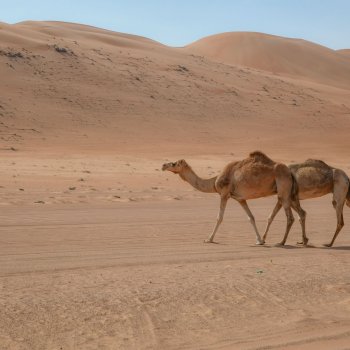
x=176, y=167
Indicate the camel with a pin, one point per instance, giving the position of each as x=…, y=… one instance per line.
x=315, y=179
x=254, y=177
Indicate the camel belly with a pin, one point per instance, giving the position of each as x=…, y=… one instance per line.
x=249, y=194
x=314, y=192
x=313, y=184
x=252, y=188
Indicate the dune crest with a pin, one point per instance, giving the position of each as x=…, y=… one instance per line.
x=292, y=57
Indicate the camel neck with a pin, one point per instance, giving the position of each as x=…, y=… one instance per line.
x=203, y=185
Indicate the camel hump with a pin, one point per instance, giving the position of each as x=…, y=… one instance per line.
x=261, y=157
x=316, y=163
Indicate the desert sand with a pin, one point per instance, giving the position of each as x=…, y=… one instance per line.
x=100, y=249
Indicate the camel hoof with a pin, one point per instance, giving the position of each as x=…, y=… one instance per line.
x=304, y=243
x=281, y=244
x=208, y=241
x=260, y=243
x=328, y=245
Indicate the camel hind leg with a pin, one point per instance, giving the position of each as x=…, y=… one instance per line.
x=290, y=220
x=302, y=218
x=301, y=213
x=276, y=209
x=287, y=194
x=340, y=191
x=340, y=223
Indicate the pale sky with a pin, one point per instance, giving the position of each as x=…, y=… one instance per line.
x=179, y=22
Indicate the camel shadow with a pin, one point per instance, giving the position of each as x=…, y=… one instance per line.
x=345, y=247
x=266, y=246
x=287, y=246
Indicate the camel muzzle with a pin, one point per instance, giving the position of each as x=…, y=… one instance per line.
x=167, y=165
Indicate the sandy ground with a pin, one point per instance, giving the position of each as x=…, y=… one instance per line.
x=116, y=261
x=100, y=249
x=137, y=276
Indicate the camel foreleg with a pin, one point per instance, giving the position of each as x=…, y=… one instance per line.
x=251, y=218
x=220, y=217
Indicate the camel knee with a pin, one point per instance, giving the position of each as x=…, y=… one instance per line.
x=219, y=219
x=301, y=212
x=302, y=215
x=251, y=219
x=270, y=219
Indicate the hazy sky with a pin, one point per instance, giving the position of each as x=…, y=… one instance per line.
x=180, y=22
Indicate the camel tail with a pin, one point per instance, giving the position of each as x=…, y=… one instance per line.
x=348, y=197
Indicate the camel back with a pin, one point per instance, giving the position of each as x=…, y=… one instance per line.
x=316, y=163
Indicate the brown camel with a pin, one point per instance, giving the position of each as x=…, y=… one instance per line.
x=254, y=177
x=315, y=178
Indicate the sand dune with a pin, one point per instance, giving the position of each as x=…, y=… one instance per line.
x=293, y=57
x=42, y=31
x=101, y=250
x=69, y=85
x=344, y=52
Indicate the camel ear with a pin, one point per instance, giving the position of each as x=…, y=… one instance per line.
x=182, y=162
